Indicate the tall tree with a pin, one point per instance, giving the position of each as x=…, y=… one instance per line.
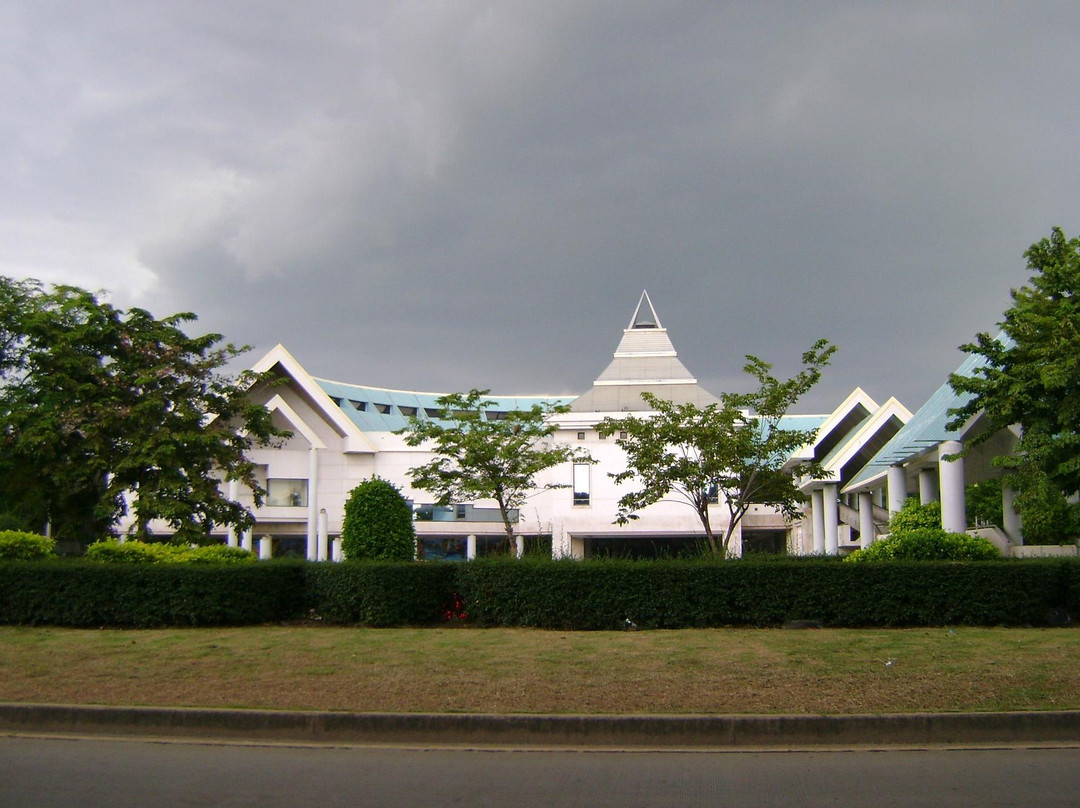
x=480, y=457
x=103, y=411
x=1031, y=375
x=735, y=452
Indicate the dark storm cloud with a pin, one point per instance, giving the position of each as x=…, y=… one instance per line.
x=447, y=195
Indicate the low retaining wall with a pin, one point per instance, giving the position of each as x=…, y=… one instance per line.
x=655, y=732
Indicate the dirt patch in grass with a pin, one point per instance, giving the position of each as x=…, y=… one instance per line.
x=523, y=671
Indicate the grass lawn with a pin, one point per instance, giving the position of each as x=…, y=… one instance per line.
x=465, y=670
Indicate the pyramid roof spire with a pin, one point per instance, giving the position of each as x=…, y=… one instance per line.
x=644, y=361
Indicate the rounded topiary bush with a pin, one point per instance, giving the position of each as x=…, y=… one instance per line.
x=16, y=545
x=928, y=544
x=378, y=523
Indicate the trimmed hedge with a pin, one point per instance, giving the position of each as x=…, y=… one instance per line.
x=80, y=593
x=380, y=593
x=136, y=552
x=566, y=595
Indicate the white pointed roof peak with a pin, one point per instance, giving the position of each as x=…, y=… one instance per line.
x=644, y=314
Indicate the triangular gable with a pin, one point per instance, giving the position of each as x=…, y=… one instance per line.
x=856, y=399
x=354, y=440
x=279, y=405
x=870, y=428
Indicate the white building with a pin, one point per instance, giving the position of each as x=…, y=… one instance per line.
x=344, y=433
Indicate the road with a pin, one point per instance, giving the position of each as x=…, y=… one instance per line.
x=50, y=773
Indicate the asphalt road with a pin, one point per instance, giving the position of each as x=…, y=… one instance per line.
x=43, y=773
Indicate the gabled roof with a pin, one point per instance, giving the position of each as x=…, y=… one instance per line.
x=284, y=362
x=644, y=361
x=922, y=433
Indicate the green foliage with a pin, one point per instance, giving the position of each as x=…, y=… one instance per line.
x=96, y=401
x=735, y=450
x=982, y=502
x=76, y=593
x=137, y=552
x=927, y=544
x=915, y=515
x=375, y=593
x=574, y=595
x=481, y=458
x=1047, y=517
x=567, y=595
x=1031, y=374
x=378, y=523
x=16, y=545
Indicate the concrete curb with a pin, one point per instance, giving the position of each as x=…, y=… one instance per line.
x=583, y=731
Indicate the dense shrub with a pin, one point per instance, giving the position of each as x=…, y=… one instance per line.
x=915, y=515
x=380, y=593
x=15, y=545
x=74, y=592
x=569, y=595
x=928, y=544
x=378, y=524
x=143, y=553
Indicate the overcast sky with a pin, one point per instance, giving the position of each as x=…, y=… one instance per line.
x=445, y=195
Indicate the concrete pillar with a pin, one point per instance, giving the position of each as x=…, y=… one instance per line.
x=928, y=486
x=232, y=537
x=245, y=540
x=470, y=547
x=951, y=475
x=519, y=546
x=1010, y=518
x=866, y=519
x=265, y=550
x=313, y=504
x=338, y=555
x=831, y=513
x=324, y=536
x=896, y=483
x=817, y=519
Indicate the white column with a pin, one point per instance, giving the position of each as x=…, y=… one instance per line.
x=866, y=519
x=245, y=540
x=470, y=547
x=265, y=547
x=338, y=554
x=928, y=486
x=519, y=546
x=817, y=519
x=831, y=512
x=1010, y=518
x=896, y=482
x=951, y=474
x=313, y=504
x=232, y=538
x=324, y=535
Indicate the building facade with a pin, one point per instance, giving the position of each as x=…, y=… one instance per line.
x=344, y=433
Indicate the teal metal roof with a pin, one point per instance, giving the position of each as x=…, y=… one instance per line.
x=377, y=409
x=925, y=430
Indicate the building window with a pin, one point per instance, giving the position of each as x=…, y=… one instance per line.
x=462, y=511
x=360, y=405
x=286, y=493
x=432, y=412
x=408, y=412
x=383, y=408
x=712, y=494
x=581, y=436
x=581, y=483
x=622, y=435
